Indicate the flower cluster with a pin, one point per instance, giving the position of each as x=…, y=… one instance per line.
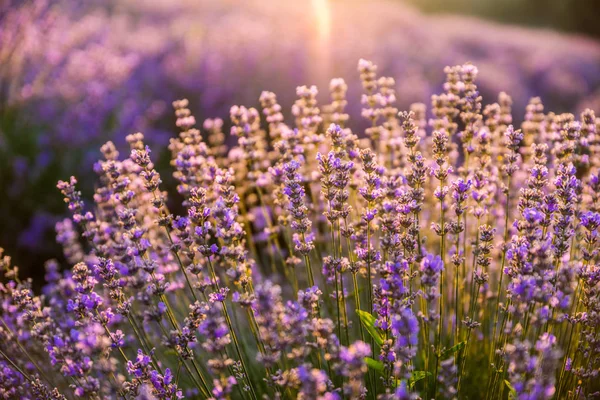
x=440, y=258
x=82, y=74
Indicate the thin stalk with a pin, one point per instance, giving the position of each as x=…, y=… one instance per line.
x=370, y=289
x=496, y=309
x=202, y=385
x=144, y=343
x=15, y=366
x=466, y=231
x=344, y=312
x=571, y=334
x=355, y=283
x=270, y=240
x=175, y=253
x=177, y=377
x=230, y=326
x=463, y=283
x=441, y=300
x=529, y=312
x=251, y=244
x=337, y=306
x=462, y=367
x=502, y=339
x=357, y=304
x=311, y=279
x=344, y=309
x=295, y=270
x=564, y=364
x=256, y=333
x=237, y=349
x=472, y=309
x=175, y=324
x=369, y=283
x=337, y=290
x=457, y=302
x=110, y=335
x=26, y=352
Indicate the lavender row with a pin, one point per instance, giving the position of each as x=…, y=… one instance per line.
x=449, y=257
x=76, y=75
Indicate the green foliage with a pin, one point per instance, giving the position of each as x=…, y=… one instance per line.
x=374, y=364
x=368, y=322
x=512, y=393
x=454, y=349
x=417, y=376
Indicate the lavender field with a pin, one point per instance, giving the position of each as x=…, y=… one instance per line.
x=322, y=200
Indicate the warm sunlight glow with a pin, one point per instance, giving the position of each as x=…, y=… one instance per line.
x=322, y=12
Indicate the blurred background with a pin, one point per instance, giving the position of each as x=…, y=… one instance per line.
x=74, y=74
x=577, y=16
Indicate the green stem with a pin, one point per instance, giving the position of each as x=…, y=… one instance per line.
x=337, y=306
x=26, y=352
x=502, y=263
x=311, y=279
x=344, y=312
x=237, y=349
x=175, y=253
x=441, y=298
x=456, y=297
x=231, y=330
x=15, y=366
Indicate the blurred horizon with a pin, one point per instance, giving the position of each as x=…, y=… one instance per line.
x=570, y=16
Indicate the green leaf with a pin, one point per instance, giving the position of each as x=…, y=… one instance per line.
x=416, y=376
x=454, y=349
x=374, y=364
x=512, y=393
x=368, y=322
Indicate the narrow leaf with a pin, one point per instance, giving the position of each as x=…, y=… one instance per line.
x=512, y=393
x=368, y=322
x=454, y=349
x=416, y=376
x=374, y=364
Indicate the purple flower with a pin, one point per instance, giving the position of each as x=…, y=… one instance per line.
x=532, y=215
x=590, y=220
